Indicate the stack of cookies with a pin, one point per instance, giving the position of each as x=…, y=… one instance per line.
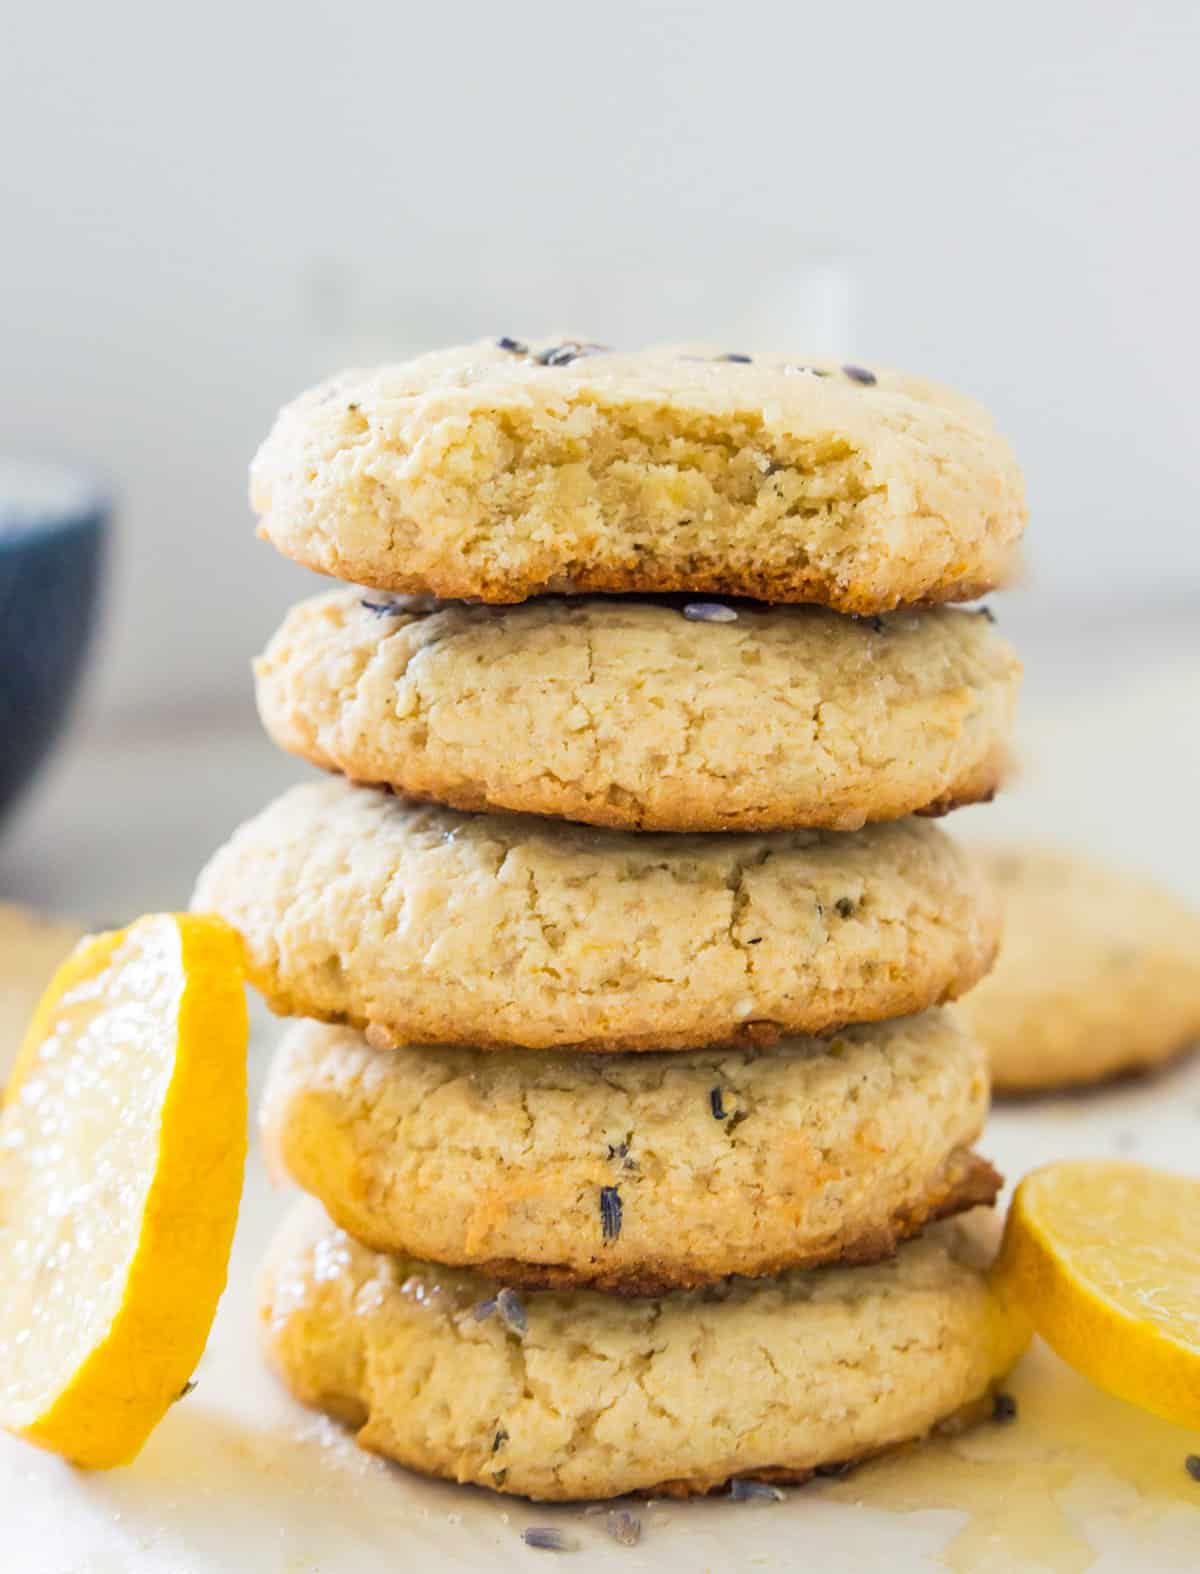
x=627, y=1094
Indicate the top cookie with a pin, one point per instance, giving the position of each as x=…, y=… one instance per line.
x=499, y=471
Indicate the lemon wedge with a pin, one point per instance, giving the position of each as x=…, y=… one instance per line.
x=1103, y=1258
x=122, y=1151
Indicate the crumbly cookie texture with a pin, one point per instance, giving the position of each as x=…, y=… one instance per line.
x=573, y=1394
x=635, y=1173
x=1098, y=974
x=422, y=925
x=499, y=473
x=643, y=716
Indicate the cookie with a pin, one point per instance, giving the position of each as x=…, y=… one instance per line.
x=1098, y=974
x=636, y=1173
x=422, y=925
x=499, y=471
x=573, y=1394
x=642, y=716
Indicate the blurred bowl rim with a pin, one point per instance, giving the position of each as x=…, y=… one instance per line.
x=74, y=496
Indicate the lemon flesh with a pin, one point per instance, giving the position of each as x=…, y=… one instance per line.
x=122, y=1151
x=1103, y=1258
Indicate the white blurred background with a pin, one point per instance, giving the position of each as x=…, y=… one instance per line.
x=206, y=208
x=203, y=208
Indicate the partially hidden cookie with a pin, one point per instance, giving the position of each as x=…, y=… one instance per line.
x=499, y=471
x=644, y=716
x=1098, y=974
x=574, y=1394
x=423, y=925
x=636, y=1173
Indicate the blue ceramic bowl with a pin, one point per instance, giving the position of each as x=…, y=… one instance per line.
x=53, y=524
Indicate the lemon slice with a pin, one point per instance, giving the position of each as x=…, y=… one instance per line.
x=122, y=1150
x=1103, y=1258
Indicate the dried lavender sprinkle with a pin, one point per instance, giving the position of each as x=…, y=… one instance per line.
x=610, y=1212
x=717, y=1104
x=743, y=1491
x=625, y=1528
x=564, y=354
x=709, y=612
x=512, y=1312
x=547, y=1539
x=1004, y=1409
x=513, y=346
x=1192, y=1465
x=383, y=609
x=741, y=360
x=845, y=907
x=482, y=1310
x=499, y=1440
x=860, y=374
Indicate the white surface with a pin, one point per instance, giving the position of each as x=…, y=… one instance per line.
x=204, y=212
x=239, y=1478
